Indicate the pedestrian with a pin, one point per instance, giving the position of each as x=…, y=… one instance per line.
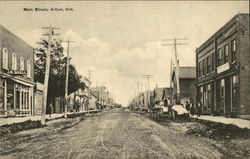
x=50, y=110
x=199, y=111
x=187, y=106
x=192, y=109
x=170, y=110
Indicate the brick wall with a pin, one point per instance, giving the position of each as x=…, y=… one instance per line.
x=244, y=56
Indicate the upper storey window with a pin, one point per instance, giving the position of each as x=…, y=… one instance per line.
x=28, y=69
x=233, y=48
x=14, y=61
x=5, y=58
x=219, y=57
x=21, y=63
x=225, y=53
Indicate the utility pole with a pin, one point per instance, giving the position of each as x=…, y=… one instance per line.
x=171, y=97
x=148, y=94
x=89, y=89
x=47, y=70
x=176, y=62
x=67, y=78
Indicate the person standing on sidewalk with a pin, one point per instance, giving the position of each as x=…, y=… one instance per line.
x=199, y=111
x=187, y=106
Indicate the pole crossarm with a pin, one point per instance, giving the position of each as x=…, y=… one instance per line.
x=175, y=39
x=175, y=44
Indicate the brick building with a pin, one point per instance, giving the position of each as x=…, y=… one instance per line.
x=187, y=84
x=16, y=75
x=223, y=70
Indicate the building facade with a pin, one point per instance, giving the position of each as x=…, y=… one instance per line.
x=186, y=83
x=223, y=70
x=16, y=75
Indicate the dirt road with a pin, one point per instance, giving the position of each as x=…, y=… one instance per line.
x=116, y=134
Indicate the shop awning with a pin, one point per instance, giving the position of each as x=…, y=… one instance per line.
x=29, y=84
x=23, y=83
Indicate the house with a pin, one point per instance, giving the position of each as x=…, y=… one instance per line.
x=223, y=70
x=16, y=75
x=166, y=96
x=186, y=83
x=101, y=94
x=81, y=96
x=93, y=101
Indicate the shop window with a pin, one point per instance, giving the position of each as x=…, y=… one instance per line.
x=212, y=62
x=208, y=87
x=14, y=62
x=5, y=58
x=201, y=96
x=222, y=85
x=28, y=69
x=235, y=84
x=208, y=64
x=1, y=98
x=233, y=48
x=235, y=79
x=225, y=53
x=219, y=57
x=21, y=63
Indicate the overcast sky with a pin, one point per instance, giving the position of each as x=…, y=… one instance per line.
x=121, y=41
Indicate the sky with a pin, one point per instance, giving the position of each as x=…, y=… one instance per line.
x=122, y=41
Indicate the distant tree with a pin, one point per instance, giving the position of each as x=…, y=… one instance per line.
x=57, y=76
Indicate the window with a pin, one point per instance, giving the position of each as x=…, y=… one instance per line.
x=199, y=69
x=219, y=57
x=233, y=48
x=28, y=69
x=225, y=53
x=21, y=63
x=5, y=58
x=235, y=84
x=204, y=67
x=14, y=62
x=235, y=79
x=212, y=61
x=222, y=85
x=208, y=64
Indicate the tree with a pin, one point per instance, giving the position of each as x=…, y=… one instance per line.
x=57, y=75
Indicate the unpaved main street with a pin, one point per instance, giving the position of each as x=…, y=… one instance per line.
x=116, y=134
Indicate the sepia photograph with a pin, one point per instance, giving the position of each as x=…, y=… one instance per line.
x=124, y=79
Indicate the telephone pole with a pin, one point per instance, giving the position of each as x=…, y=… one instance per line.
x=148, y=94
x=175, y=44
x=67, y=79
x=47, y=70
x=89, y=90
x=171, y=97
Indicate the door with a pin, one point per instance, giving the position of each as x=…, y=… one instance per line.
x=227, y=96
x=10, y=98
x=222, y=97
x=235, y=96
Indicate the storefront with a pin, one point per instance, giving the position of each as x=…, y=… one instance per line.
x=16, y=97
